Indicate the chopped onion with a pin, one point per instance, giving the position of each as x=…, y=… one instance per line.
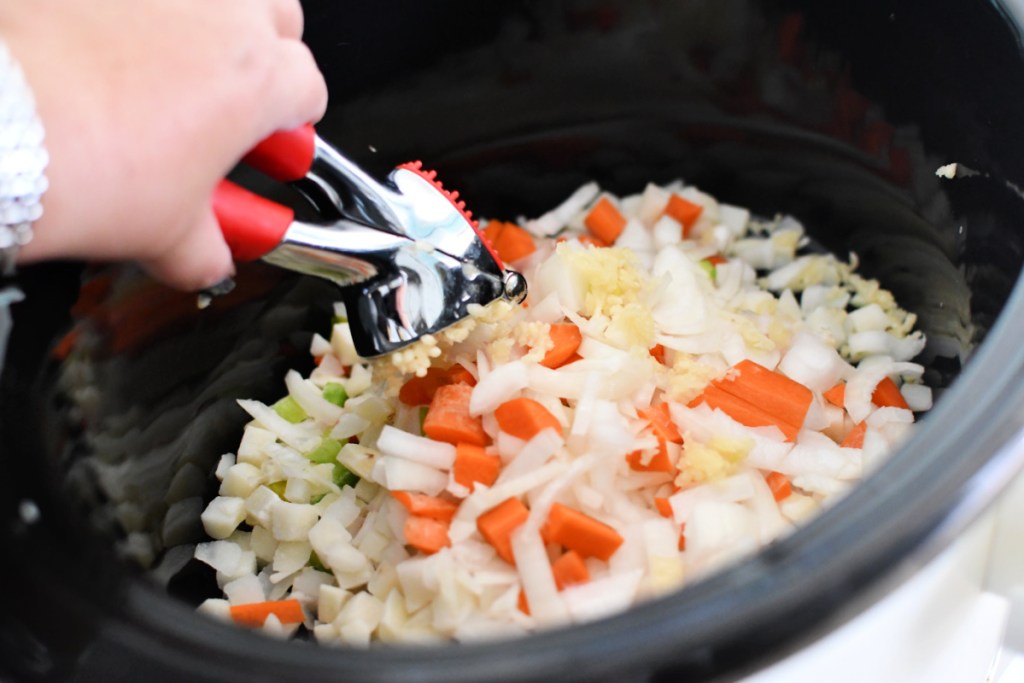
x=652, y=205
x=497, y=386
x=714, y=527
x=301, y=437
x=657, y=323
x=729, y=490
x=436, y=454
x=813, y=363
x=538, y=583
x=602, y=597
x=400, y=474
x=308, y=395
x=245, y=590
x=349, y=425
x=917, y=396
x=862, y=382
x=554, y=220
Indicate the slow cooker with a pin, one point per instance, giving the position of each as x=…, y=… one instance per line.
x=119, y=395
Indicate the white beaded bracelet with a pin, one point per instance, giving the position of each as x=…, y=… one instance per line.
x=23, y=161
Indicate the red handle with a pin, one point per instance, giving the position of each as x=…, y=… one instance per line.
x=252, y=225
x=286, y=155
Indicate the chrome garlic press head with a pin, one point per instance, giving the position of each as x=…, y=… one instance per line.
x=409, y=258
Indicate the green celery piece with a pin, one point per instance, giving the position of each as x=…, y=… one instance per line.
x=343, y=476
x=278, y=488
x=316, y=499
x=423, y=416
x=709, y=268
x=289, y=409
x=326, y=452
x=316, y=563
x=335, y=393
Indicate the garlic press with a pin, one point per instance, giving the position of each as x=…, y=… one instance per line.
x=410, y=260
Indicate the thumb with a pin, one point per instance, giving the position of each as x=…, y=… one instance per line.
x=200, y=259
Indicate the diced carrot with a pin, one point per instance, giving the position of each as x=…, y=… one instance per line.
x=492, y=233
x=659, y=462
x=419, y=391
x=448, y=417
x=682, y=538
x=458, y=374
x=887, y=394
x=522, y=603
x=781, y=398
x=94, y=291
x=569, y=569
x=855, y=437
x=742, y=411
x=836, y=395
x=582, y=533
x=566, y=338
x=756, y=396
x=509, y=240
x=497, y=524
x=663, y=507
x=493, y=229
x=716, y=259
x=661, y=422
x=684, y=211
x=422, y=505
x=66, y=344
x=425, y=534
x=779, y=484
x=255, y=613
x=473, y=464
x=572, y=359
x=591, y=241
x=658, y=353
x=604, y=221
x=523, y=418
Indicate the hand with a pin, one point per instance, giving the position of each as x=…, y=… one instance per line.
x=146, y=105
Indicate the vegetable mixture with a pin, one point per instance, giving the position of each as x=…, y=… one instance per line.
x=684, y=385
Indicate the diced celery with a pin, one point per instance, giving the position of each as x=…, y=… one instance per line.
x=317, y=498
x=290, y=410
x=709, y=268
x=327, y=451
x=335, y=393
x=343, y=476
x=423, y=416
x=278, y=488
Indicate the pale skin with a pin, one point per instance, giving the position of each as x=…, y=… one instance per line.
x=146, y=104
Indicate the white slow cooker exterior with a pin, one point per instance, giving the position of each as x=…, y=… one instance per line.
x=960, y=619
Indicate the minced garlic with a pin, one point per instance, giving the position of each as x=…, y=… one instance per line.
x=687, y=377
x=712, y=461
x=615, y=288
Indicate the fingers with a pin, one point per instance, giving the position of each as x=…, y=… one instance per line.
x=197, y=261
x=288, y=18
x=294, y=92
x=301, y=87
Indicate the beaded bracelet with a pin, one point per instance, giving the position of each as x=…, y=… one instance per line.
x=23, y=160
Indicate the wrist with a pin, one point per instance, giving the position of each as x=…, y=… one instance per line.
x=23, y=161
